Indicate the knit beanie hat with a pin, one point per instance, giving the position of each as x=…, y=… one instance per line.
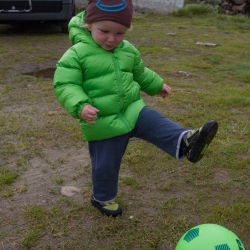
x=119, y=11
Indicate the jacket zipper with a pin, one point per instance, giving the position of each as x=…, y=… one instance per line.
x=118, y=74
x=121, y=93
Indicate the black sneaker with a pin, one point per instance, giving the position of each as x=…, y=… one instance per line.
x=198, y=141
x=107, y=208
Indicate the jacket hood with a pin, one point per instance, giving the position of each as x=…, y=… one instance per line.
x=77, y=31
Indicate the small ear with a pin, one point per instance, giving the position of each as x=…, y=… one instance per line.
x=89, y=26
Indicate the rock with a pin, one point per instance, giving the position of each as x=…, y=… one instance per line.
x=207, y=44
x=239, y=8
x=69, y=190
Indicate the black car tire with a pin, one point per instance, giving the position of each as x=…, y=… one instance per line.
x=65, y=24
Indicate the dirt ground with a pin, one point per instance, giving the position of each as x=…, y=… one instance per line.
x=35, y=143
x=21, y=47
x=49, y=156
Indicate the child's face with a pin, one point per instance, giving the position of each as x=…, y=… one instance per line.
x=107, y=34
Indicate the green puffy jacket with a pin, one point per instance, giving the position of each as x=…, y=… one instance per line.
x=107, y=80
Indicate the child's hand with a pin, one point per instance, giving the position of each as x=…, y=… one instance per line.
x=166, y=90
x=89, y=114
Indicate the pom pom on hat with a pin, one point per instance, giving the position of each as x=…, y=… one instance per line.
x=119, y=11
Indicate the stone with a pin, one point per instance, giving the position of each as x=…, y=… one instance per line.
x=69, y=190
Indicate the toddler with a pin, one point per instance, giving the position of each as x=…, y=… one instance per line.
x=98, y=81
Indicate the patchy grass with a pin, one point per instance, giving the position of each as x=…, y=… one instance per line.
x=41, y=148
x=7, y=177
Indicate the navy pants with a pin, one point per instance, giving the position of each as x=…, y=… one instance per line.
x=106, y=155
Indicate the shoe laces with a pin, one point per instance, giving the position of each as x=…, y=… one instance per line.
x=190, y=138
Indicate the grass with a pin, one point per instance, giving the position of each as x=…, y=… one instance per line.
x=7, y=177
x=41, y=148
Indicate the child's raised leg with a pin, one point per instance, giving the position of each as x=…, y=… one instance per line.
x=177, y=141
